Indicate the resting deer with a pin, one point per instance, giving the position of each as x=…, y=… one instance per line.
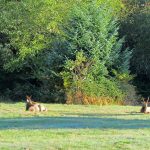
x=145, y=108
x=34, y=106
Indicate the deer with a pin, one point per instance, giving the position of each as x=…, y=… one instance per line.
x=34, y=106
x=145, y=109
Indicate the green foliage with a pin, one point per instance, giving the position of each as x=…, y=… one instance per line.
x=30, y=27
x=28, y=63
x=51, y=48
x=104, y=87
x=136, y=27
x=91, y=35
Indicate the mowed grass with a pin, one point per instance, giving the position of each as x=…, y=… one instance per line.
x=69, y=127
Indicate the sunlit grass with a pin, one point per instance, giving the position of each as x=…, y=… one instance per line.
x=18, y=110
x=116, y=128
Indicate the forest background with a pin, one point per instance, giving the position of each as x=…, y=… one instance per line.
x=81, y=52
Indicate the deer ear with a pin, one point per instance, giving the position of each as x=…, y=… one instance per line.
x=27, y=96
x=147, y=99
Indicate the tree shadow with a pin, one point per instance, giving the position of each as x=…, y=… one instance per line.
x=102, y=114
x=72, y=123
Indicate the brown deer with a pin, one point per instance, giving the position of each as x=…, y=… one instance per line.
x=34, y=106
x=145, y=109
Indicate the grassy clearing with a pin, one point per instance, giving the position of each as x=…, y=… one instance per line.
x=69, y=127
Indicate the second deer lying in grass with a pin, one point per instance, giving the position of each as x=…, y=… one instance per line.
x=34, y=106
x=145, y=109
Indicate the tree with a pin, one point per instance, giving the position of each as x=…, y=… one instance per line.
x=135, y=26
x=91, y=35
x=27, y=31
x=29, y=27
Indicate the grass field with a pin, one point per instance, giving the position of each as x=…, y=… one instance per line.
x=69, y=127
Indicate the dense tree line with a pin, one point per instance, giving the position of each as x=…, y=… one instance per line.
x=135, y=27
x=88, y=52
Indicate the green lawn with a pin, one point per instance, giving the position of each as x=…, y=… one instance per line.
x=69, y=127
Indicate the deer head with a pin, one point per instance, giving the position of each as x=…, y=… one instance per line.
x=28, y=99
x=145, y=102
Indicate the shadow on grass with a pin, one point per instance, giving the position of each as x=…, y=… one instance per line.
x=102, y=114
x=72, y=122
